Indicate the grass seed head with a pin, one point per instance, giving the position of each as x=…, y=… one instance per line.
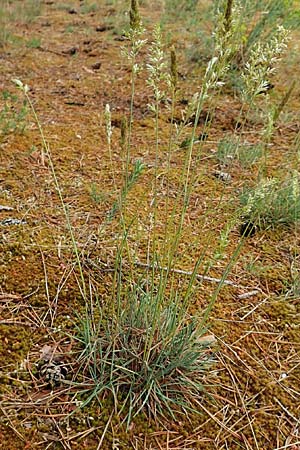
x=261, y=64
x=134, y=15
x=174, y=73
x=227, y=15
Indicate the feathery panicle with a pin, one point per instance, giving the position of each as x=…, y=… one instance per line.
x=262, y=62
x=134, y=36
x=228, y=36
x=229, y=31
x=157, y=67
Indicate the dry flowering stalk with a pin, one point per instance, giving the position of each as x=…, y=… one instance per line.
x=228, y=15
x=157, y=68
x=228, y=37
x=135, y=18
x=283, y=102
x=131, y=52
x=174, y=71
x=262, y=62
x=134, y=35
x=107, y=116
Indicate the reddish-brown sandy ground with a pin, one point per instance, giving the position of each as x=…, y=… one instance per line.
x=69, y=55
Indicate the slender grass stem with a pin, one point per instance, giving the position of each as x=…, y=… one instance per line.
x=46, y=152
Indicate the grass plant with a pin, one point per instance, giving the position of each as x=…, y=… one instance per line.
x=147, y=350
x=273, y=202
x=144, y=347
x=231, y=150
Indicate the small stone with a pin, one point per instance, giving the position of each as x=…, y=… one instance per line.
x=101, y=28
x=120, y=38
x=96, y=66
x=70, y=51
x=9, y=221
x=184, y=101
x=223, y=176
x=5, y=208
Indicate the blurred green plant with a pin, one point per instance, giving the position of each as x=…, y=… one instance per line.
x=34, y=42
x=248, y=155
x=13, y=114
x=69, y=29
x=133, y=177
x=87, y=7
x=11, y=12
x=269, y=15
x=31, y=9
x=96, y=194
x=231, y=149
x=180, y=9
x=227, y=151
x=273, y=202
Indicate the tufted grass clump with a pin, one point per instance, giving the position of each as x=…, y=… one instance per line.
x=273, y=202
x=152, y=357
x=231, y=149
x=145, y=349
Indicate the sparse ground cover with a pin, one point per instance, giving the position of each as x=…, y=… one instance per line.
x=125, y=192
